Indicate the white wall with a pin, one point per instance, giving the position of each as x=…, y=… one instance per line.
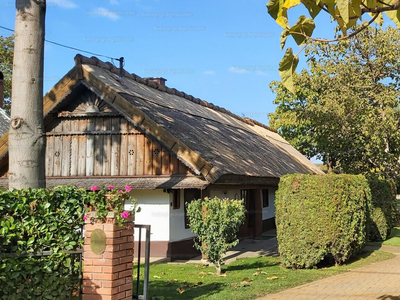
x=154, y=206
x=177, y=225
x=269, y=212
x=230, y=194
x=177, y=216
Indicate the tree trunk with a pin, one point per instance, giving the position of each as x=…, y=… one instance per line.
x=27, y=141
x=218, y=267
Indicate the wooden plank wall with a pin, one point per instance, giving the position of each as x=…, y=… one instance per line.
x=105, y=146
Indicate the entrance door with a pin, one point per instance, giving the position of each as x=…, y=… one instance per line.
x=248, y=227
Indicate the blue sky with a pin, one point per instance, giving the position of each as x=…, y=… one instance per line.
x=224, y=52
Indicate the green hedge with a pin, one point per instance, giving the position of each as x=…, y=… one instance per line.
x=33, y=221
x=320, y=217
x=382, y=209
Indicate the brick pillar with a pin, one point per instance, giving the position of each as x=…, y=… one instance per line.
x=108, y=276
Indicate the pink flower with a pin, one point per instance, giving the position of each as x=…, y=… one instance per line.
x=111, y=187
x=119, y=192
x=86, y=216
x=94, y=188
x=125, y=214
x=128, y=189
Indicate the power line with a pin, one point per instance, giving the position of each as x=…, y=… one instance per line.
x=68, y=47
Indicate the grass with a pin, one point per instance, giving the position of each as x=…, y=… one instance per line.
x=394, y=238
x=247, y=278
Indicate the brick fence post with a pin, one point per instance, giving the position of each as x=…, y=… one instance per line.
x=108, y=275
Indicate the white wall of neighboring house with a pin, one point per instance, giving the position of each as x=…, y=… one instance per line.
x=269, y=212
x=155, y=211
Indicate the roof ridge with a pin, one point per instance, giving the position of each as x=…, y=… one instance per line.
x=81, y=59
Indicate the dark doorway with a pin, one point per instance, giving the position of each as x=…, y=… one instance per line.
x=249, y=225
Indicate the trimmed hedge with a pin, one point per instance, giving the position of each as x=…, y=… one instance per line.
x=382, y=209
x=35, y=221
x=320, y=217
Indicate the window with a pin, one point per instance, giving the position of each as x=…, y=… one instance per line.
x=176, y=199
x=190, y=195
x=265, y=199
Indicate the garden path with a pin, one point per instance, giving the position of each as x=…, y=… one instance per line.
x=376, y=281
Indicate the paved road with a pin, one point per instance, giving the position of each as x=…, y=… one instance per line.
x=379, y=280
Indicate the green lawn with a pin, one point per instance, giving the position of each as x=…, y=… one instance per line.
x=394, y=238
x=247, y=278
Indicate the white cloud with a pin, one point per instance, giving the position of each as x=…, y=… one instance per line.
x=238, y=70
x=62, y=3
x=209, y=72
x=114, y=2
x=104, y=12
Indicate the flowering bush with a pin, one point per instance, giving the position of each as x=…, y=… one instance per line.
x=105, y=200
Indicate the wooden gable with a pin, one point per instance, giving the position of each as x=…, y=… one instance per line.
x=87, y=137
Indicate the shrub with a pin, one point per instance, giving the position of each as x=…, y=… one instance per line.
x=103, y=200
x=216, y=222
x=382, y=209
x=320, y=217
x=33, y=221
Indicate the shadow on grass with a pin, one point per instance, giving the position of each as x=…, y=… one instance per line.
x=171, y=289
x=389, y=297
x=237, y=266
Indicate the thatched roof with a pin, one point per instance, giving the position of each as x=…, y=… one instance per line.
x=208, y=139
x=4, y=121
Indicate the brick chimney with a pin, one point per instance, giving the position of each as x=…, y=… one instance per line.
x=159, y=80
x=1, y=90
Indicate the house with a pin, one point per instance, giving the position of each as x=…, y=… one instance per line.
x=107, y=129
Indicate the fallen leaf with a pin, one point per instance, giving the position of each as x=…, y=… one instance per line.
x=272, y=277
x=181, y=289
x=256, y=274
x=155, y=276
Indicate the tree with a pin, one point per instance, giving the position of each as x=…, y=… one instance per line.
x=6, y=62
x=216, y=223
x=346, y=108
x=346, y=14
x=26, y=134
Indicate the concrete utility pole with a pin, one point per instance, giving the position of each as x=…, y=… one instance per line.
x=27, y=142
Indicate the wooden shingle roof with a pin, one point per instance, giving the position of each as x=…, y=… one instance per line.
x=208, y=139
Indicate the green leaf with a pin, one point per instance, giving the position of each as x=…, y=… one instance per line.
x=303, y=26
x=291, y=3
x=343, y=7
x=394, y=16
x=283, y=38
x=313, y=8
x=287, y=67
x=278, y=12
x=356, y=4
x=330, y=5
